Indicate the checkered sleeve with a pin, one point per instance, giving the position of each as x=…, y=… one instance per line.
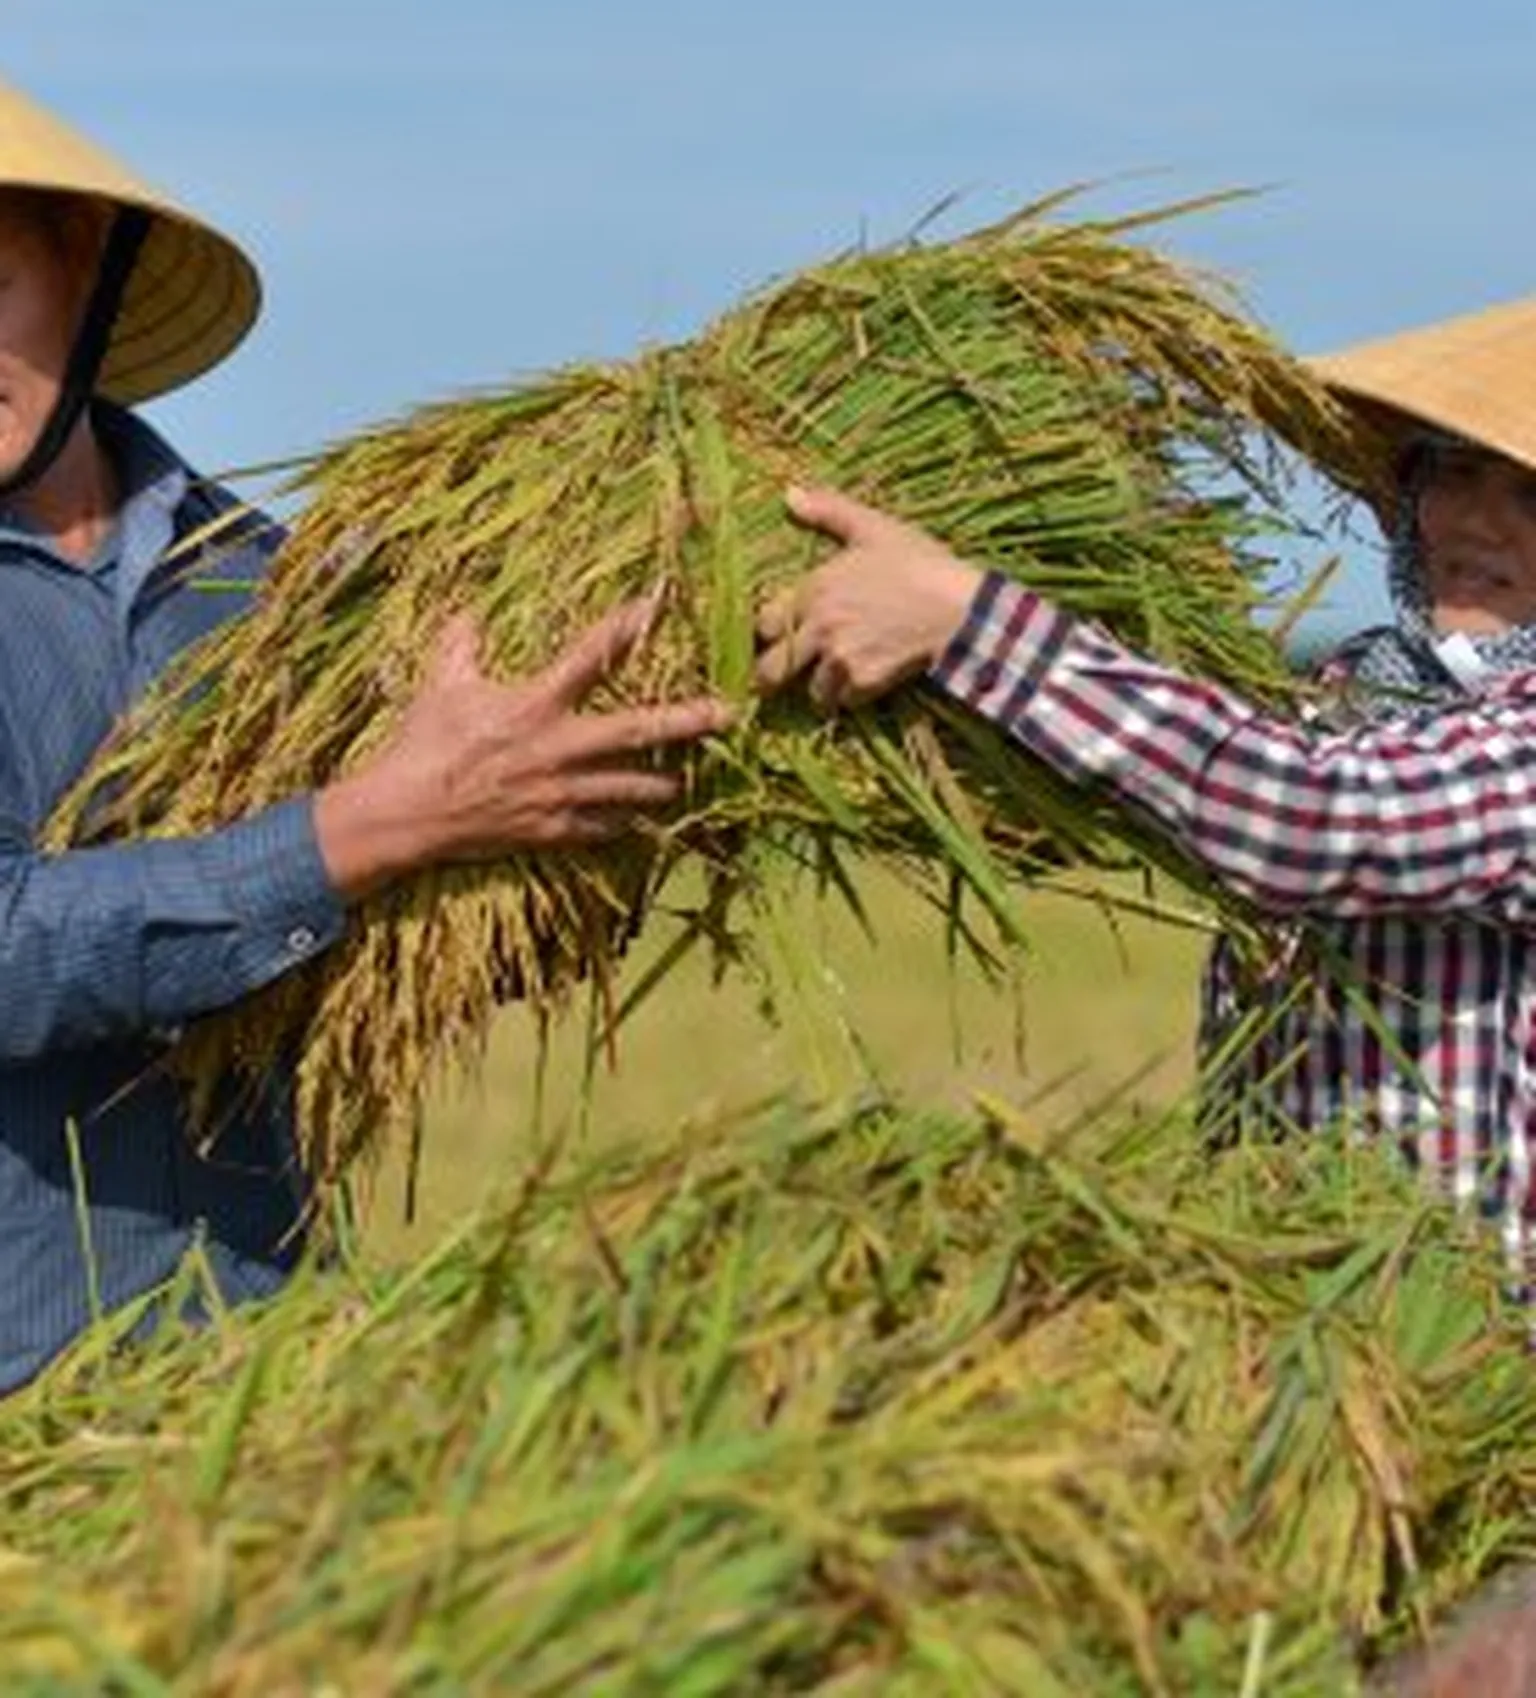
x=1430, y=815
x=125, y=939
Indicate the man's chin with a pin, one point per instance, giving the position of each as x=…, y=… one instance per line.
x=14, y=450
x=13, y=456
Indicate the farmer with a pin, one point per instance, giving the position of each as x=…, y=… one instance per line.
x=1399, y=838
x=110, y=294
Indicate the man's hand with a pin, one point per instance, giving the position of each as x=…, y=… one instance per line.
x=478, y=769
x=882, y=609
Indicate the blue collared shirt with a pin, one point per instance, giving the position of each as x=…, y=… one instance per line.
x=105, y=950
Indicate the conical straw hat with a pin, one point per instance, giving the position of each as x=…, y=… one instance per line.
x=193, y=294
x=1474, y=375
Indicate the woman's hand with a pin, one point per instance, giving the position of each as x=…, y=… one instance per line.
x=881, y=610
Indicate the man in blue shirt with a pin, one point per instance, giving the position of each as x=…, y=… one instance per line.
x=111, y=294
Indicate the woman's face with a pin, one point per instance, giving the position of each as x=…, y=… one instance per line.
x=1477, y=530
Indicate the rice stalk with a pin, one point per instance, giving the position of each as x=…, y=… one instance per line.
x=1053, y=398
x=882, y=1403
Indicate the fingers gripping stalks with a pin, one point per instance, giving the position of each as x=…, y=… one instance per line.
x=880, y=611
x=479, y=769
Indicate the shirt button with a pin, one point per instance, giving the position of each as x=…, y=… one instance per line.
x=302, y=940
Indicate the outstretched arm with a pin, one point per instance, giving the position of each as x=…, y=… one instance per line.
x=1432, y=816
x=120, y=940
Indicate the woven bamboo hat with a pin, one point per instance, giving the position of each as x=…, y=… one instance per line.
x=1474, y=376
x=192, y=294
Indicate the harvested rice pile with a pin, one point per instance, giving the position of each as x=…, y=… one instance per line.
x=1053, y=398
x=885, y=1404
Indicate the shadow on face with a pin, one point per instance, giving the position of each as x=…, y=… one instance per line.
x=1476, y=515
x=50, y=246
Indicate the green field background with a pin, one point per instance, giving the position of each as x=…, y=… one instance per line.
x=1101, y=1007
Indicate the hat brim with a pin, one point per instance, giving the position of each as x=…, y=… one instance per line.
x=190, y=301
x=1471, y=376
x=193, y=294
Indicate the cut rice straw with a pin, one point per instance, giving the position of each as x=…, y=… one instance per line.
x=1052, y=398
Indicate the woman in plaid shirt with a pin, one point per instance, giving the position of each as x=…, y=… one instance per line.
x=1400, y=833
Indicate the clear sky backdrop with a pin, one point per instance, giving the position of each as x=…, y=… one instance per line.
x=444, y=194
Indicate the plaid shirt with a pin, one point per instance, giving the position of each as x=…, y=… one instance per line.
x=1406, y=850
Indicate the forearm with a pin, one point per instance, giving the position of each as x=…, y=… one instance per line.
x=1439, y=817
x=109, y=942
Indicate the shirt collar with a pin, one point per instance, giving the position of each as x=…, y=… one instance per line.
x=154, y=481
x=149, y=469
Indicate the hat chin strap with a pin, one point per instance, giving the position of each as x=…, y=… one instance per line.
x=129, y=229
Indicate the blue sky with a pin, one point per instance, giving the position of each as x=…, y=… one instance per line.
x=444, y=195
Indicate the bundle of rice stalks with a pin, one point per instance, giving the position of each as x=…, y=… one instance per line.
x=887, y=1405
x=1052, y=398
